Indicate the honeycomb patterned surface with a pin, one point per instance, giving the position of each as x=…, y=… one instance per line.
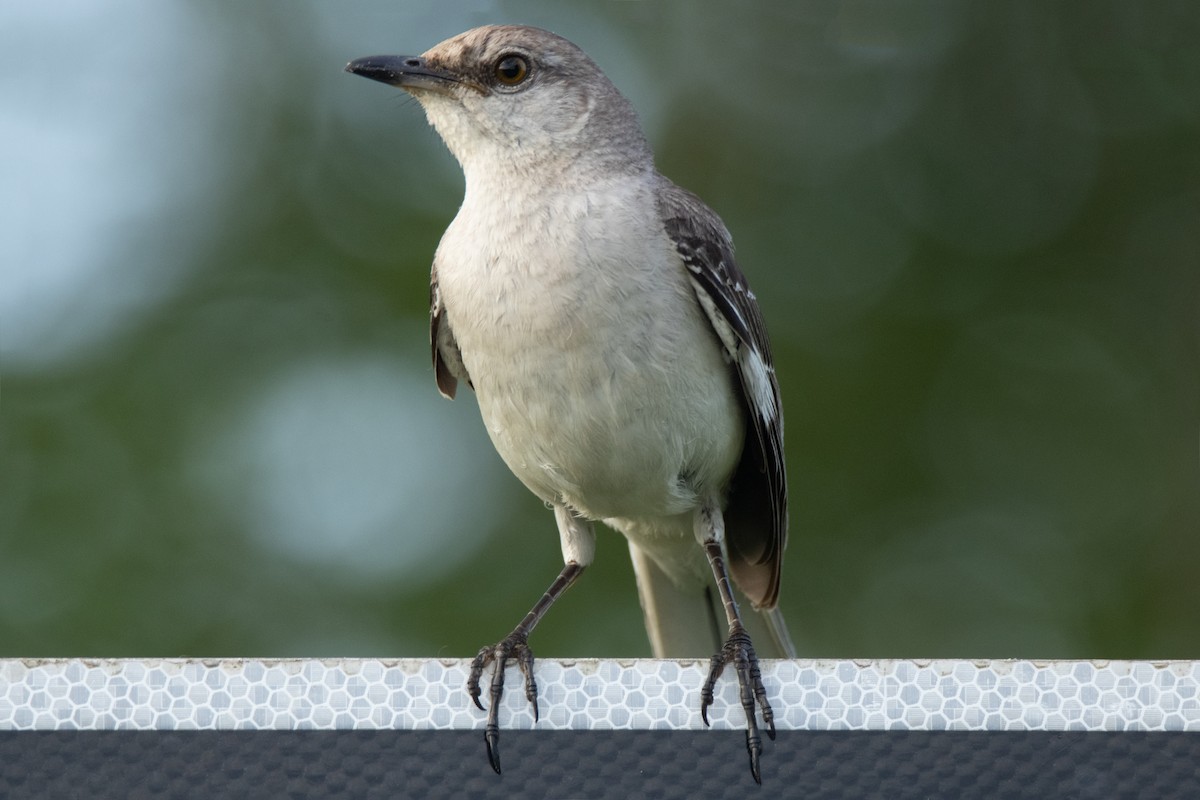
x=597, y=694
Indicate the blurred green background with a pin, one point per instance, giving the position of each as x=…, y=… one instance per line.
x=974, y=230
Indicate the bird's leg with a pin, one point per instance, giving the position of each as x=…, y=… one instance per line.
x=515, y=647
x=738, y=648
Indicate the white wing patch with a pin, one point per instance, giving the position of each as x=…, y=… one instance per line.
x=755, y=372
x=725, y=331
x=756, y=375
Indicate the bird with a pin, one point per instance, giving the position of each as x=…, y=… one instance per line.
x=619, y=359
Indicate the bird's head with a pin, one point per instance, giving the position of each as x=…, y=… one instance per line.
x=518, y=96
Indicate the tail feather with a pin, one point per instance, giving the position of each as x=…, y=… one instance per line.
x=690, y=622
x=779, y=632
x=681, y=623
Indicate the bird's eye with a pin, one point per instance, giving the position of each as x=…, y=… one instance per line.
x=511, y=70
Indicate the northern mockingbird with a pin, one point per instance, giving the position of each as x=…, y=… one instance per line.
x=619, y=358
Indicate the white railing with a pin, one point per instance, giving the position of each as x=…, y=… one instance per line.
x=596, y=694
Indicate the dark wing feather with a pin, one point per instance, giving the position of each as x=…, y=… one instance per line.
x=448, y=367
x=756, y=513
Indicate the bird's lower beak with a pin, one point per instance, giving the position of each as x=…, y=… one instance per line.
x=407, y=72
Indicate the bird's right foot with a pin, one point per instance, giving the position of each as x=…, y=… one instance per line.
x=512, y=647
x=739, y=651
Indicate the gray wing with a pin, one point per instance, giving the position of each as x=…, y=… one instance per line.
x=756, y=514
x=448, y=367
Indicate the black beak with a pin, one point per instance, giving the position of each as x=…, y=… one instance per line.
x=407, y=72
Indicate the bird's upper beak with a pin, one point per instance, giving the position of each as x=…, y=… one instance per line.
x=407, y=72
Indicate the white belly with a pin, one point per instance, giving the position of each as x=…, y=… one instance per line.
x=599, y=379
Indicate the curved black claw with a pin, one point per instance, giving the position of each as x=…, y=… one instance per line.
x=513, y=646
x=739, y=651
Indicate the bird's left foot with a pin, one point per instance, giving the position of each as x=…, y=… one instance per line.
x=512, y=647
x=739, y=651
